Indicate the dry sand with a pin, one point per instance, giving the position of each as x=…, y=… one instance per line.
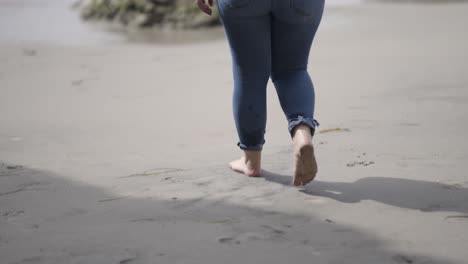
x=118, y=153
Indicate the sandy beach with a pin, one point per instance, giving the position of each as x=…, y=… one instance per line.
x=116, y=151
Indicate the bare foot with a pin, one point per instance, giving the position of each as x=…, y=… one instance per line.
x=305, y=165
x=249, y=164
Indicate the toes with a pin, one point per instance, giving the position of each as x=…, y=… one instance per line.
x=298, y=182
x=301, y=182
x=236, y=165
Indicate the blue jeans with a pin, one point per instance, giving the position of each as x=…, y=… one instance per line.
x=270, y=38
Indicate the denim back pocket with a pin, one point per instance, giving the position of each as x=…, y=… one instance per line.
x=303, y=7
x=235, y=3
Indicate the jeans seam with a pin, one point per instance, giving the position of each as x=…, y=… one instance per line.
x=309, y=121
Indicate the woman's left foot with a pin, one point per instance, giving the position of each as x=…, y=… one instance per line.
x=248, y=164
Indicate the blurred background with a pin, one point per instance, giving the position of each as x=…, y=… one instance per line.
x=61, y=22
x=116, y=129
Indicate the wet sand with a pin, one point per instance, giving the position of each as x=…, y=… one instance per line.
x=112, y=153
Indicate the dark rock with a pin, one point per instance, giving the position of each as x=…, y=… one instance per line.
x=146, y=13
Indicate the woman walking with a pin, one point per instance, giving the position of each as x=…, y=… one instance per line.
x=271, y=39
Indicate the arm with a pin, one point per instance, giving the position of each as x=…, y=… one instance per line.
x=205, y=6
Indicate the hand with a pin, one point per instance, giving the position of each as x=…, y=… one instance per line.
x=204, y=6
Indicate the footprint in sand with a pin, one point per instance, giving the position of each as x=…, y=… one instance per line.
x=13, y=167
x=274, y=230
x=252, y=236
x=146, y=219
x=127, y=260
x=271, y=234
x=11, y=214
x=31, y=186
x=112, y=199
x=402, y=259
x=242, y=238
x=228, y=240
x=203, y=183
x=154, y=172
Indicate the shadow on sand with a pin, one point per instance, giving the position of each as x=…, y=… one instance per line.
x=46, y=218
x=425, y=196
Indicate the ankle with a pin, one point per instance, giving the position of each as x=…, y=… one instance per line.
x=252, y=159
x=302, y=135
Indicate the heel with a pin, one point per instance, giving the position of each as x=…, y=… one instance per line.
x=306, y=166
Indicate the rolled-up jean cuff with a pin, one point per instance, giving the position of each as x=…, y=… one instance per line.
x=310, y=122
x=253, y=148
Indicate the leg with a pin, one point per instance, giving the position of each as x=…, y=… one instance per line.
x=294, y=25
x=248, y=31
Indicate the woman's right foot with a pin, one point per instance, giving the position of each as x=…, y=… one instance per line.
x=249, y=164
x=305, y=165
